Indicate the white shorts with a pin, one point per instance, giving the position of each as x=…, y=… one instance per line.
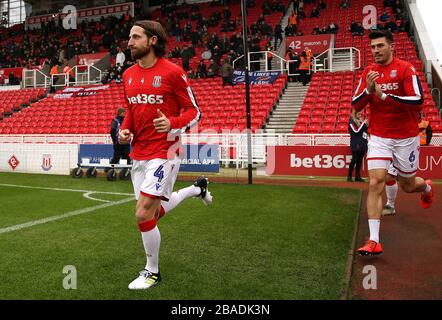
x=392, y=171
x=403, y=154
x=155, y=178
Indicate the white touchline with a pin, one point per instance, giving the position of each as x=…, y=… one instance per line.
x=60, y=189
x=63, y=216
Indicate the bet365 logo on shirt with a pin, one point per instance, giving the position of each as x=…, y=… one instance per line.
x=146, y=99
x=389, y=86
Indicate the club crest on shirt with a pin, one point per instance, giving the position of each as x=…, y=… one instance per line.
x=156, y=81
x=393, y=73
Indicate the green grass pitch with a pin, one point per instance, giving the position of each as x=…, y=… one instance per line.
x=254, y=242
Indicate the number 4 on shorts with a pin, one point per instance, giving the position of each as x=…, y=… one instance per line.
x=159, y=173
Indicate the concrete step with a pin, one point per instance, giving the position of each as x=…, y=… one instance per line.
x=280, y=125
x=284, y=112
x=291, y=115
x=288, y=107
x=278, y=130
x=281, y=120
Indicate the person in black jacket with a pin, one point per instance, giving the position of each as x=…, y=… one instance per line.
x=357, y=128
x=121, y=151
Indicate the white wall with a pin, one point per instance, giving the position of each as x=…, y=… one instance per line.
x=38, y=158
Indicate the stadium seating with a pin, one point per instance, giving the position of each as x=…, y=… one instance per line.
x=222, y=109
x=14, y=100
x=330, y=93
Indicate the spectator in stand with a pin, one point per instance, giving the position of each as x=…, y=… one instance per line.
x=278, y=34
x=309, y=54
x=210, y=73
x=207, y=54
x=300, y=7
x=269, y=50
x=176, y=52
x=391, y=25
x=68, y=70
x=176, y=32
x=186, y=55
x=227, y=72
x=333, y=28
x=216, y=54
x=120, y=58
x=191, y=74
x=293, y=19
x=13, y=80
x=384, y=17
x=315, y=13
x=304, y=68
x=201, y=70
x=290, y=30
x=425, y=131
x=397, y=5
x=316, y=30
x=357, y=29
x=322, y=5
x=214, y=67
x=52, y=73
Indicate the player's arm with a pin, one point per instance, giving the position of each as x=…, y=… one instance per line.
x=363, y=93
x=190, y=114
x=413, y=98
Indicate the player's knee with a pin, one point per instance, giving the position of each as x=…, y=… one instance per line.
x=145, y=211
x=375, y=185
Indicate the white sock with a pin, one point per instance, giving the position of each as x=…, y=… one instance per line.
x=391, y=194
x=179, y=196
x=427, y=189
x=374, y=225
x=151, y=242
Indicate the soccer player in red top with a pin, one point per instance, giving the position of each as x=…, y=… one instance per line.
x=161, y=105
x=393, y=92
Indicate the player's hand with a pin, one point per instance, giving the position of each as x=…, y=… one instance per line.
x=161, y=124
x=124, y=136
x=372, y=76
x=378, y=90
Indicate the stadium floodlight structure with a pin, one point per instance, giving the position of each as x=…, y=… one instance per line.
x=247, y=85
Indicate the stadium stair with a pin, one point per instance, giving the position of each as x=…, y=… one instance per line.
x=285, y=113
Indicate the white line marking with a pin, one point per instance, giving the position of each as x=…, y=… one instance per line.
x=60, y=189
x=88, y=196
x=63, y=216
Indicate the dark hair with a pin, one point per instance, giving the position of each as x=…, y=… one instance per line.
x=376, y=34
x=154, y=28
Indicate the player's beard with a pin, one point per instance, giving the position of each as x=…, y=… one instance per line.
x=140, y=53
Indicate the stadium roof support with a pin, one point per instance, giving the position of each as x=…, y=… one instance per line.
x=247, y=85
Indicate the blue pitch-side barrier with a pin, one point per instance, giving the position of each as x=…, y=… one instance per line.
x=197, y=158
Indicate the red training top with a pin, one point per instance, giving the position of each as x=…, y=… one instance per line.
x=164, y=86
x=395, y=116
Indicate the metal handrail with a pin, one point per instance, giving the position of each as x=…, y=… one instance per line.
x=33, y=74
x=438, y=95
x=330, y=54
